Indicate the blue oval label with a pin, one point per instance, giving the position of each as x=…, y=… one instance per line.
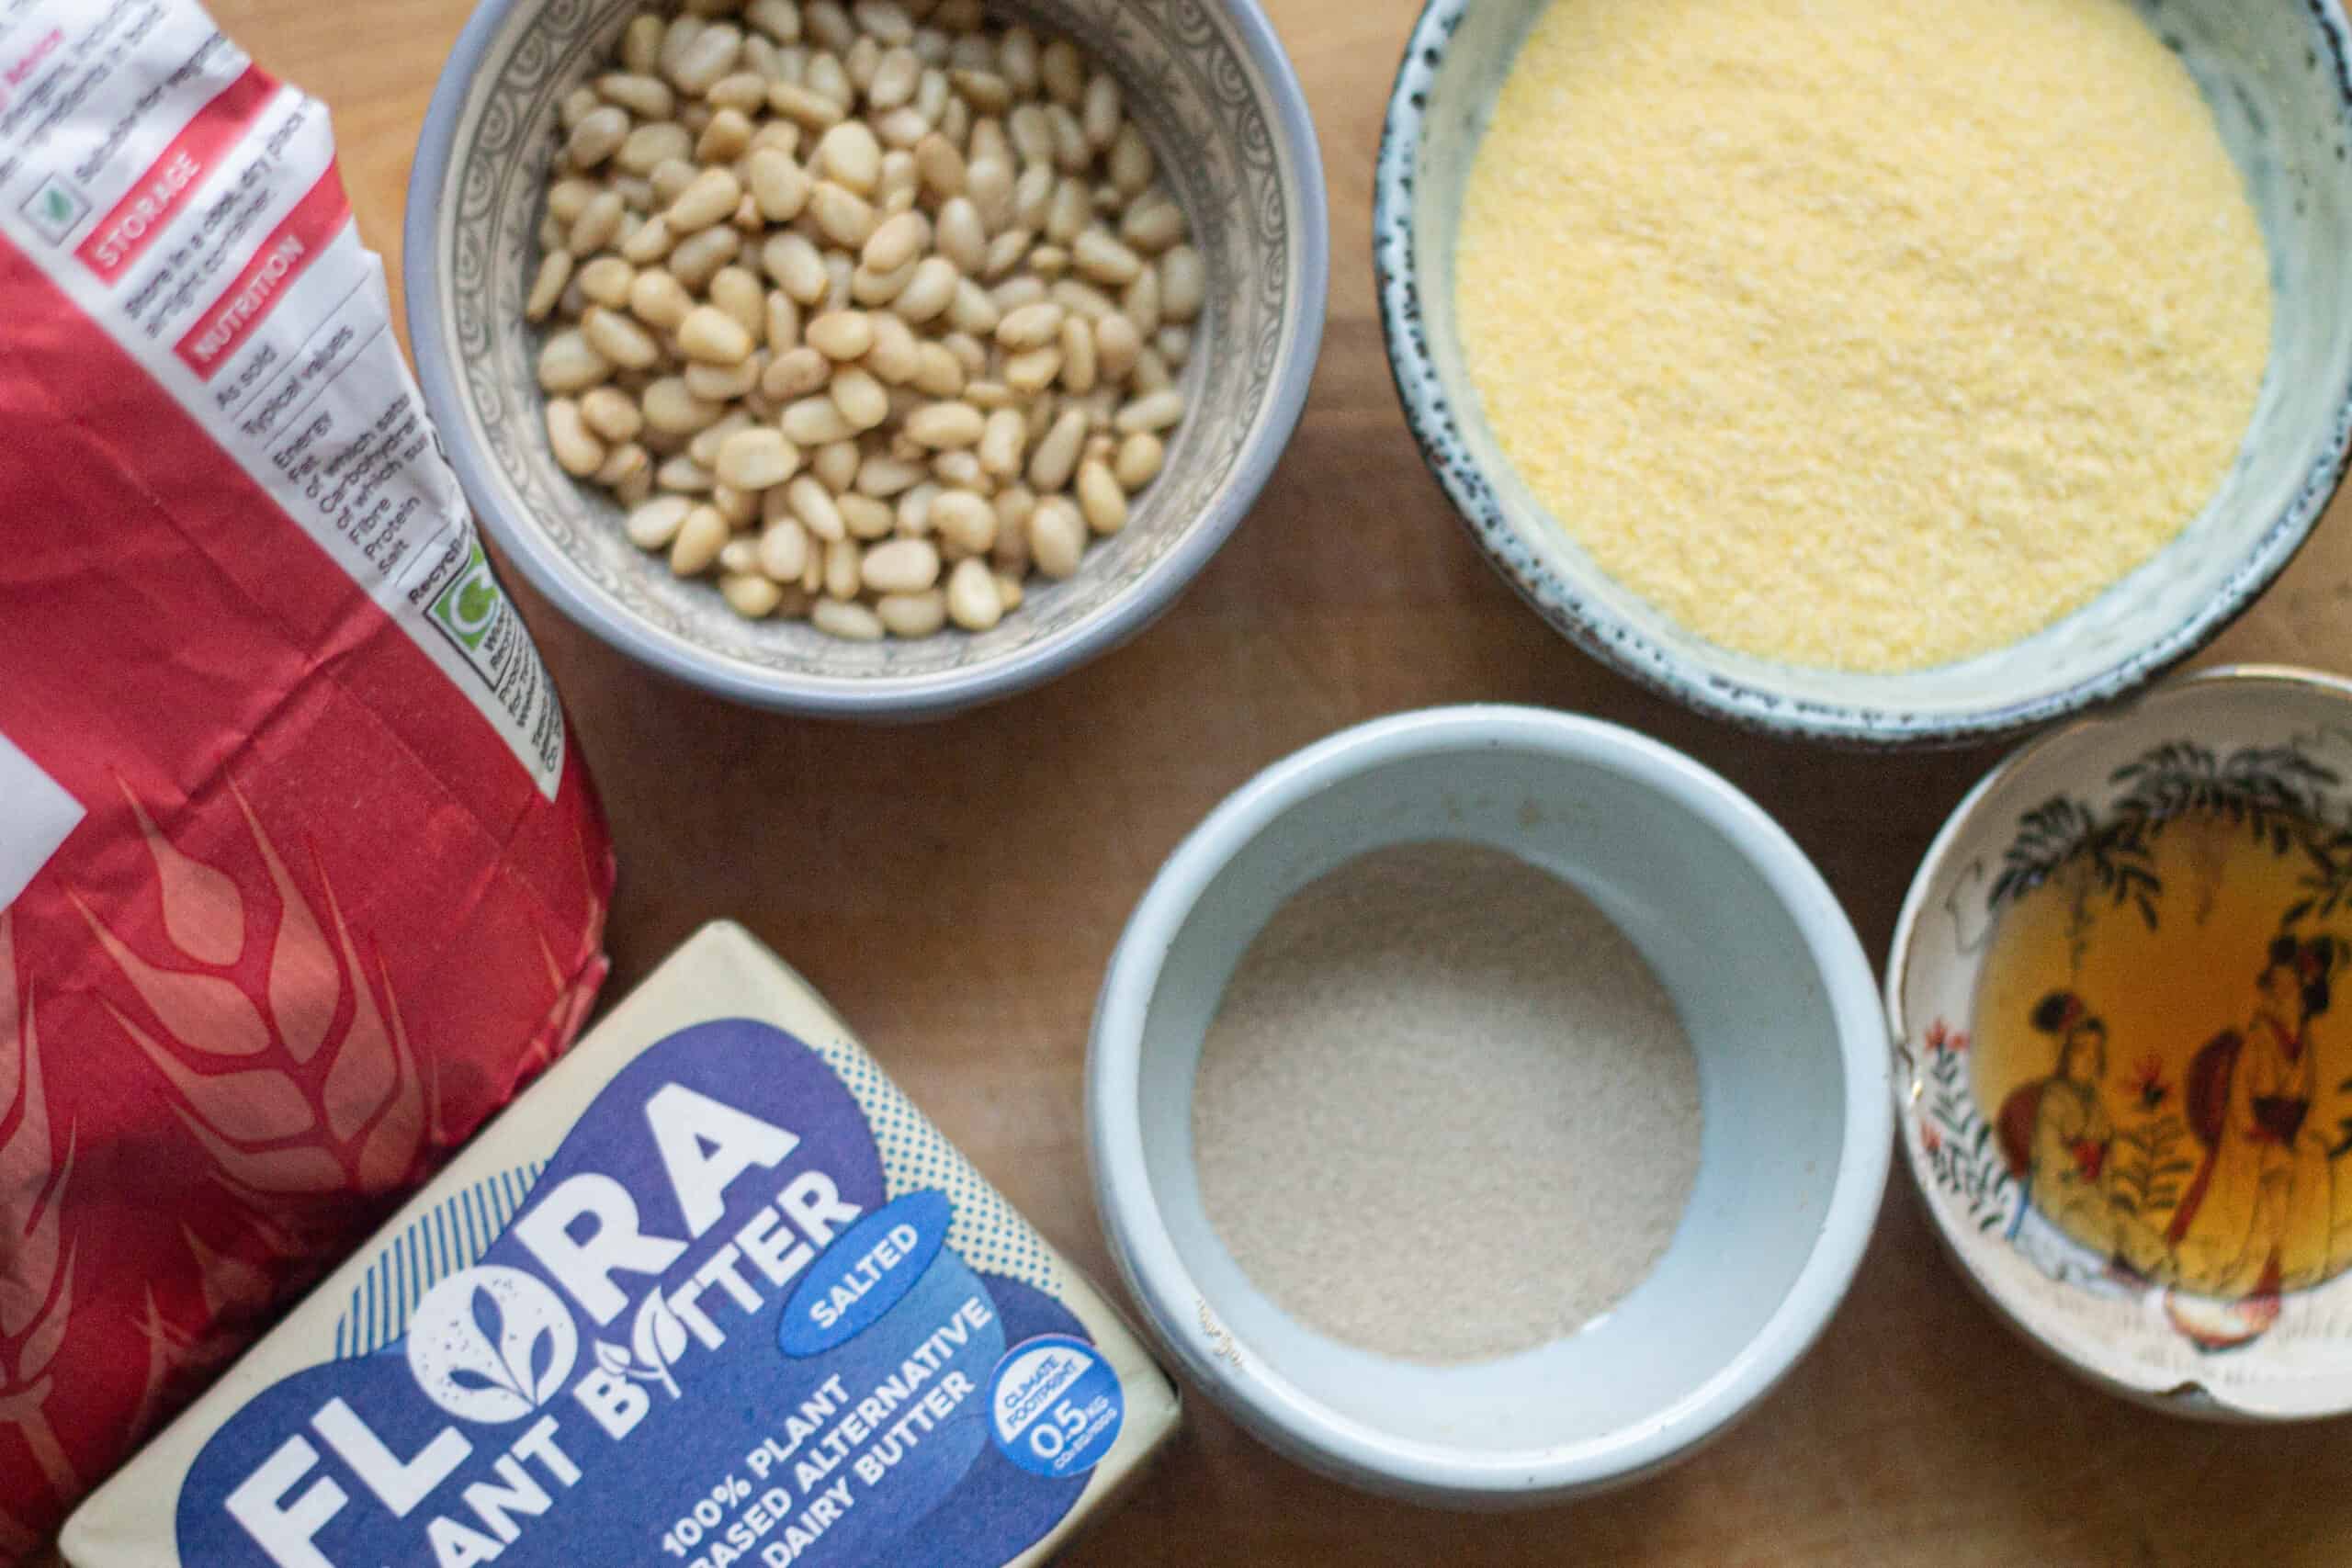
x=864, y=1274
x=1055, y=1405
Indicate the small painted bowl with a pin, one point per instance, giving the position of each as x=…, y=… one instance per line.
x=1208, y=82
x=1780, y=1005
x=2278, y=80
x=2123, y=1086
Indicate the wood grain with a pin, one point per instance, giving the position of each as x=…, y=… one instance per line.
x=956, y=888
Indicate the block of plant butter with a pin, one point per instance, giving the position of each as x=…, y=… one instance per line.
x=712, y=1293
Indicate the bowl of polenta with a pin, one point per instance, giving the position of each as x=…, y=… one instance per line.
x=1876, y=374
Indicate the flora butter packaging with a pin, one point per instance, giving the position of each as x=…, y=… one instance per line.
x=712, y=1293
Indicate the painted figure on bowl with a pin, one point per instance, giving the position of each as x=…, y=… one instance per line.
x=2259, y=1215
x=2168, y=1109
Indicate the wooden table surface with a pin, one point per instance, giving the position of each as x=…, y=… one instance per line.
x=955, y=890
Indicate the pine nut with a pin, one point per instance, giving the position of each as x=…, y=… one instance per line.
x=611, y=413
x=851, y=623
x=972, y=600
x=1033, y=371
x=684, y=475
x=1032, y=196
x=797, y=267
x=708, y=56
x=866, y=519
x=929, y=292
x=1101, y=499
x=795, y=374
x=606, y=280
x=547, y=287
x=626, y=467
x=836, y=465
x=912, y=614
x=1104, y=112
x=895, y=79
x=577, y=450
x=652, y=526
x=844, y=216
x=569, y=363
x=741, y=93
x=1057, y=537
x=673, y=410
x=895, y=356
x=1153, y=412
x=779, y=186
x=699, y=540
x=597, y=136
x=804, y=106
x=1100, y=258
x=844, y=560
x=902, y=566
x=960, y=235
x=1130, y=162
x=941, y=165
x=1016, y=54
x=784, y=549
x=1055, y=458
x=938, y=372
x=752, y=597
x=1140, y=303
x=812, y=504
x=813, y=421
x=641, y=44
x=842, y=335
x=989, y=182
x=598, y=225
x=849, y=154
x=757, y=459
x=1080, y=366
x=725, y=138
x=1031, y=326
x=1153, y=225
x=860, y=398
x=619, y=339
x=968, y=351
x=646, y=243
x=698, y=257
x=1003, y=442
x=987, y=92
x=964, y=521
x=896, y=241
x=971, y=310
x=1071, y=154
x=942, y=425
x=1183, y=284
x=1013, y=506
x=711, y=335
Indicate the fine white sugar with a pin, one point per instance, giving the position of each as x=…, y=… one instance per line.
x=1445, y=1112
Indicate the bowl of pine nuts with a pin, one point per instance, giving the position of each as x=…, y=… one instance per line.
x=869, y=358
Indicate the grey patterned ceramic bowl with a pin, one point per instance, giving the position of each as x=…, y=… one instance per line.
x=1209, y=84
x=2275, y=75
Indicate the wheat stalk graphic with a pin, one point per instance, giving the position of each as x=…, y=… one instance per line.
x=36, y=1264
x=306, y=1089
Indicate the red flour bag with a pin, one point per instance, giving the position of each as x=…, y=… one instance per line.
x=300, y=879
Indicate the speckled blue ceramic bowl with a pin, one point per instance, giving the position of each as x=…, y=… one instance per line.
x=2276, y=75
x=1209, y=84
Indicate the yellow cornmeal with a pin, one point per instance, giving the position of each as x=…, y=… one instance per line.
x=1860, y=335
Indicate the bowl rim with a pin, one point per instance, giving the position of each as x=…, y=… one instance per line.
x=2193, y=1399
x=1625, y=648
x=1293, y=1422
x=1120, y=619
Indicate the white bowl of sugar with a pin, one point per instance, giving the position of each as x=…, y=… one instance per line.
x=1488, y=1106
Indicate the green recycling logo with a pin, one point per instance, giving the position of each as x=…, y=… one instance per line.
x=470, y=607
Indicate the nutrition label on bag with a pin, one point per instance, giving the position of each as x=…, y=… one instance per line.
x=188, y=204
